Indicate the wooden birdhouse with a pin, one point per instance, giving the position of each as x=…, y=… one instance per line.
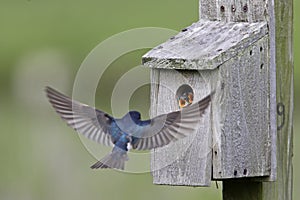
x=228, y=53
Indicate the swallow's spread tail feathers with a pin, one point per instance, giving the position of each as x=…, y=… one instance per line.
x=116, y=160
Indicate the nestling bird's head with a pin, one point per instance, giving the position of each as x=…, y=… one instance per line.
x=184, y=95
x=185, y=99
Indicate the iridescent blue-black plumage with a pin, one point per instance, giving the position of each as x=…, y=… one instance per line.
x=140, y=134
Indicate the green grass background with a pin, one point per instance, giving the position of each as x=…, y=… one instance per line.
x=44, y=42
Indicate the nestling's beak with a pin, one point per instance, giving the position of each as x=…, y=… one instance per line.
x=182, y=103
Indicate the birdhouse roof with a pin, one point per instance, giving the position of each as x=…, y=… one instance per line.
x=205, y=45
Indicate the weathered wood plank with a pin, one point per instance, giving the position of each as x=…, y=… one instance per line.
x=188, y=160
x=205, y=45
x=233, y=10
x=208, y=9
x=241, y=142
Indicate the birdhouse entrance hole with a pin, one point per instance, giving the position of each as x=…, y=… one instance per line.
x=184, y=95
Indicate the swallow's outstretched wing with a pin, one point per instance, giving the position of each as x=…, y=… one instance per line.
x=163, y=129
x=92, y=123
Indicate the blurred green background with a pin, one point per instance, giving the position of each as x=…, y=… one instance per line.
x=44, y=42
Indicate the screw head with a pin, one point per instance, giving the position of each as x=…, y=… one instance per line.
x=222, y=9
x=245, y=8
x=233, y=8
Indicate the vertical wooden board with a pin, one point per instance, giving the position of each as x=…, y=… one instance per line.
x=233, y=10
x=258, y=10
x=208, y=9
x=241, y=142
x=188, y=160
x=224, y=10
x=282, y=16
x=240, y=14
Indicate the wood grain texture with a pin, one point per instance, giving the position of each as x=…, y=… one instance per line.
x=208, y=10
x=205, y=45
x=283, y=39
x=188, y=160
x=241, y=142
x=233, y=10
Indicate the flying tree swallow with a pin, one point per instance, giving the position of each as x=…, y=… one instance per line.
x=128, y=130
